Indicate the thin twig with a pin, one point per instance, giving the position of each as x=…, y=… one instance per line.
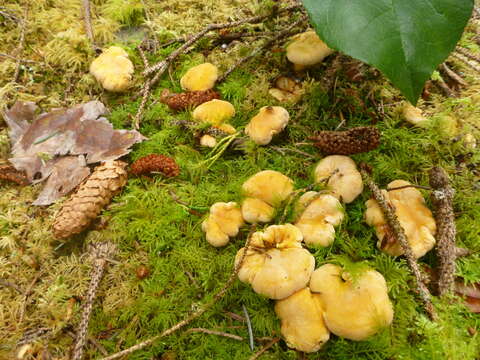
x=213, y=332
x=442, y=199
x=26, y=294
x=399, y=232
x=21, y=43
x=410, y=186
x=88, y=23
x=192, y=316
x=235, y=316
x=466, y=61
x=101, y=252
x=280, y=35
x=453, y=75
x=7, y=283
x=468, y=54
x=249, y=326
x=143, y=56
x=18, y=59
x=263, y=349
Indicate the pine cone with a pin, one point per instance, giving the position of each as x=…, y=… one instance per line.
x=77, y=213
x=188, y=99
x=9, y=173
x=155, y=162
x=353, y=141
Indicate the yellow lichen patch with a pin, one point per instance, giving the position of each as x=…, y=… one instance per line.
x=354, y=309
x=301, y=315
x=415, y=218
x=199, y=78
x=113, y=69
x=275, y=264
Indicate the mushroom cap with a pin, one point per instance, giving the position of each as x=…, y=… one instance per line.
x=416, y=219
x=199, y=78
x=224, y=221
x=256, y=210
x=354, y=309
x=413, y=115
x=269, y=121
x=275, y=264
x=214, y=112
x=229, y=129
x=301, y=315
x=286, y=90
x=268, y=185
x=113, y=69
x=344, y=179
x=321, y=212
x=307, y=49
x=208, y=141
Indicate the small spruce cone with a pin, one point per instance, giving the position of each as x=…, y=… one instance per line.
x=155, y=162
x=9, y=173
x=187, y=99
x=77, y=213
x=353, y=141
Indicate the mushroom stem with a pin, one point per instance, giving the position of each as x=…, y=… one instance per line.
x=399, y=233
x=192, y=316
x=442, y=198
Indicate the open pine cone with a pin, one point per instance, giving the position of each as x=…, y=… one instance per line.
x=187, y=99
x=155, y=162
x=353, y=141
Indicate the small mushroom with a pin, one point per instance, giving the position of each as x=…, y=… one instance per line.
x=413, y=115
x=269, y=121
x=286, y=90
x=208, y=141
x=341, y=176
x=307, y=49
x=320, y=213
x=355, y=308
x=415, y=218
x=275, y=264
x=223, y=222
x=301, y=315
x=113, y=69
x=264, y=191
x=214, y=112
x=199, y=78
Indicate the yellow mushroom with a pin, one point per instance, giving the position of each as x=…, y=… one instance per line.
x=319, y=214
x=341, y=176
x=208, y=141
x=223, y=222
x=275, y=264
x=416, y=219
x=413, y=115
x=307, y=49
x=355, y=308
x=269, y=121
x=264, y=191
x=200, y=77
x=214, y=112
x=113, y=69
x=301, y=315
x=286, y=90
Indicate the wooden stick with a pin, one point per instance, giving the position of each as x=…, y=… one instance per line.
x=192, y=316
x=442, y=199
x=88, y=22
x=399, y=232
x=466, y=61
x=453, y=75
x=214, y=332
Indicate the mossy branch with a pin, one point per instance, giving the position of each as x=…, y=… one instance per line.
x=399, y=233
x=192, y=316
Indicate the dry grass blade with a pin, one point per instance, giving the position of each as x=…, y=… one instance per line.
x=213, y=332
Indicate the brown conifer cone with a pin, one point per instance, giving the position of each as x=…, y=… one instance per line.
x=77, y=213
x=353, y=141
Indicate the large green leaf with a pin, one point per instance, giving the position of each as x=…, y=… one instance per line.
x=405, y=39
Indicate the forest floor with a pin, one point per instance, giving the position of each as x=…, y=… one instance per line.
x=156, y=222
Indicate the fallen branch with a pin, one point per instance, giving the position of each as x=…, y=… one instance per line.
x=193, y=316
x=399, y=233
x=213, y=332
x=263, y=349
x=442, y=198
x=466, y=61
x=101, y=252
x=468, y=54
x=453, y=75
x=88, y=23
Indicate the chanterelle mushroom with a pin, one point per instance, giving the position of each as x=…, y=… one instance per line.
x=413, y=115
x=200, y=77
x=415, y=218
x=214, y=112
x=264, y=191
x=276, y=265
x=269, y=121
x=113, y=69
x=319, y=214
x=341, y=175
x=354, y=308
x=301, y=315
x=307, y=49
x=223, y=222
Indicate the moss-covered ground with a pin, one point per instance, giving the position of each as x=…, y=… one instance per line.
x=152, y=229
